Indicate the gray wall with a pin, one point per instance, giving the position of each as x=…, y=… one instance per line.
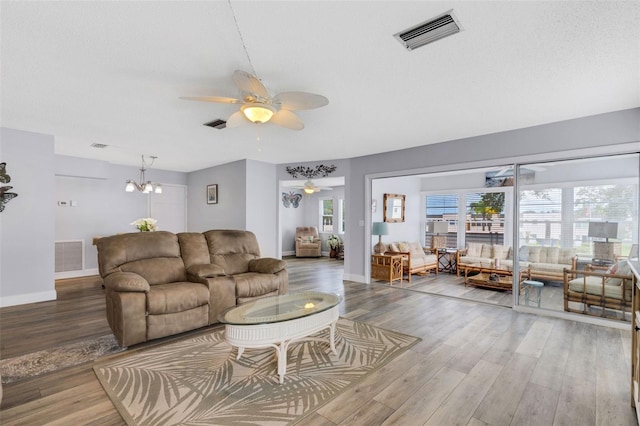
x=27, y=225
x=230, y=212
x=262, y=205
x=103, y=207
x=602, y=134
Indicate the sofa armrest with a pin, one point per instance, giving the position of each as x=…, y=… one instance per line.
x=206, y=270
x=267, y=265
x=126, y=281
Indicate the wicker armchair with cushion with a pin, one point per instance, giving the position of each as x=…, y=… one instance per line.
x=415, y=260
x=308, y=243
x=610, y=289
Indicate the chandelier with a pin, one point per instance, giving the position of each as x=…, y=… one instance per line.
x=145, y=186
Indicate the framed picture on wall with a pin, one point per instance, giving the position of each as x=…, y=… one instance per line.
x=212, y=194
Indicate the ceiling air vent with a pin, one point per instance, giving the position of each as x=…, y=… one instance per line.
x=427, y=32
x=98, y=145
x=217, y=124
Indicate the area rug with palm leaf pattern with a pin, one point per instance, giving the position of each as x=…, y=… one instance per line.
x=199, y=380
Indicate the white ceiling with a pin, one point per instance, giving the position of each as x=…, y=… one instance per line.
x=112, y=73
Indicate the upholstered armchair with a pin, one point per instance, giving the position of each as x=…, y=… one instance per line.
x=308, y=243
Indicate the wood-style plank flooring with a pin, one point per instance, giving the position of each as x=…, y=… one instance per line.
x=477, y=364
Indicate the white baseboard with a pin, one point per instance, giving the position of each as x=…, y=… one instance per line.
x=355, y=278
x=21, y=299
x=76, y=274
x=289, y=253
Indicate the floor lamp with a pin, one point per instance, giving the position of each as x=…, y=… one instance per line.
x=380, y=229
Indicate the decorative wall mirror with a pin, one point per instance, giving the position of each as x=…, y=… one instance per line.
x=394, y=208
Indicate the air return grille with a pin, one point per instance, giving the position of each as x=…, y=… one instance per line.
x=69, y=256
x=217, y=124
x=427, y=32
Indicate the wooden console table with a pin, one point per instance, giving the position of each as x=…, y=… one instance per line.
x=386, y=267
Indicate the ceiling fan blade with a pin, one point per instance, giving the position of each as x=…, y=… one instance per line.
x=249, y=84
x=287, y=119
x=219, y=99
x=503, y=171
x=294, y=101
x=237, y=119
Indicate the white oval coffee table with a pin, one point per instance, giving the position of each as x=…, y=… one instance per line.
x=281, y=320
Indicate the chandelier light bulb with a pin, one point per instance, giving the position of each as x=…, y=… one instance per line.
x=130, y=186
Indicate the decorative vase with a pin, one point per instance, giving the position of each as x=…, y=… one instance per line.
x=333, y=253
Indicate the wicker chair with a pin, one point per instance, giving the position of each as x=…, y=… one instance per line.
x=595, y=287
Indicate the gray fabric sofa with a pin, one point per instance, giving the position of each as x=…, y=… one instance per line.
x=159, y=283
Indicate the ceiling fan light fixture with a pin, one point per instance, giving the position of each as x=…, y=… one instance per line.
x=258, y=113
x=308, y=190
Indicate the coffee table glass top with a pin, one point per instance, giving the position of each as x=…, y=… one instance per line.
x=280, y=308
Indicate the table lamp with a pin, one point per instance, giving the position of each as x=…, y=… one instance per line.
x=437, y=228
x=380, y=229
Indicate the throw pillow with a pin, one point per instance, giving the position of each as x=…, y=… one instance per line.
x=474, y=249
x=487, y=251
x=523, y=254
x=620, y=268
x=403, y=246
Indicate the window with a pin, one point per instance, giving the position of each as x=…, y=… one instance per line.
x=443, y=207
x=485, y=217
x=326, y=215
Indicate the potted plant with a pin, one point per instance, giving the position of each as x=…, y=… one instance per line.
x=334, y=243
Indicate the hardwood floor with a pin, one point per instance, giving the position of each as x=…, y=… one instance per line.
x=477, y=364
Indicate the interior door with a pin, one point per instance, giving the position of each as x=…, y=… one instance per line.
x=170, y=208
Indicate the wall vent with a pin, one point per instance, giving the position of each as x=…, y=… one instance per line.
x=429, y=31
x=98, y=145
x=217, y=124
x=69, y=256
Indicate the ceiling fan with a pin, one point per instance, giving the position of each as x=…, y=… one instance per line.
x=309, y=187
x=508, y=170
x=256, y=106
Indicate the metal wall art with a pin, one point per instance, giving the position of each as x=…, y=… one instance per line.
x=291, y=199
x=5, y=196
x=311, y=172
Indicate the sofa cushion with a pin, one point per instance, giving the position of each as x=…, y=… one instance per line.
x=534, y=254
x=593, y=285
x=415, y=249
x=159, y=270
x=501, y=251
x=566, y=255
x=523, y=253
x=487, y=251
x=474, y=249
x=176, y=297
x=549, y=254
x=547, y=268
x=253, y=284
x=267, y=265
x=126, y=281
x=205, y=271
x=193, y=248
x=117, y=250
